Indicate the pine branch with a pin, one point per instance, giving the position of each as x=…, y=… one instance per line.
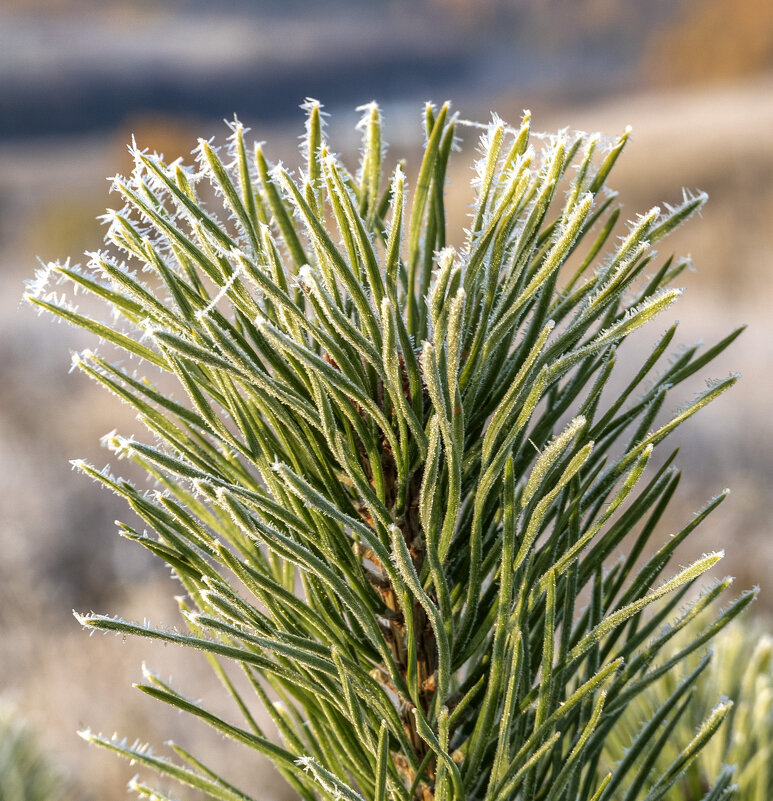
x=372, y=496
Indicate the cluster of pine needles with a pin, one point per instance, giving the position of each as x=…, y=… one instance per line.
x=400, y=476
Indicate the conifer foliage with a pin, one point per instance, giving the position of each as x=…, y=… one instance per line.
x=395, y=486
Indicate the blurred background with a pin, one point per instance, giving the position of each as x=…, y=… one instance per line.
x=78, y=77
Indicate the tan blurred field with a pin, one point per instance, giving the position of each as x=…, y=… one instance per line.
x=56, y=534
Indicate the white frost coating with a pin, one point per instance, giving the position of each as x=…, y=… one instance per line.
x=38, y=286
x=77, y=358
x=522, y=162
x=111, y=218
x=485, y=143
x=609, y=143
x=82, y=618
x=238, y=131
x=119, y=445
x=198, y=151
x=309, y=764
x=367, y=109
x=278, y=175
x=201, y=313
x=305, y=276
x=311, y=103
x=644, y=221
x=329, y=160
x=445, y=256
x=549, y=456
x=106, y=439
x=149, y=328
x=236, y=126
x=698, y=198
x=484, y=126
x=193, y=617
x=398, y=178
x=593, y=140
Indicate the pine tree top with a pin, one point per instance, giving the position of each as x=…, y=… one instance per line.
x=401, y=469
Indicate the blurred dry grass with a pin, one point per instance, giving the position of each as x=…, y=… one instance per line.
x=690, y=50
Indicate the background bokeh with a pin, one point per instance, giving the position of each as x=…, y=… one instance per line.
x=78, y=78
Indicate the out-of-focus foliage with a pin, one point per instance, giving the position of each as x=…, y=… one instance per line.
x=742, y=670
x=713, y=40
x=26, y=773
